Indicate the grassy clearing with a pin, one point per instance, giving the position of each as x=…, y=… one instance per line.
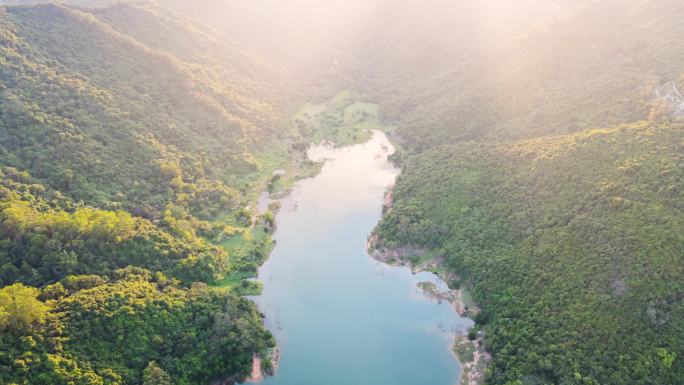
x=468, y=300
x=248, y=248
x=465, y=350
x=346, y=119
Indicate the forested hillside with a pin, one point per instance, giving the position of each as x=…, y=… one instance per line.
x=569, y=234
x=378, y=46
x=131, y=141
x=420, y=40
x=541, y=144
x=133, y=327
x=162, y=112
x=572, y=245
x=591, y=65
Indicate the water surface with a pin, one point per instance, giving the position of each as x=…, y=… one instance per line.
x=340, y=317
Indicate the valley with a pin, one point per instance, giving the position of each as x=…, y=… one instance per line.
x=324, y=297
x=341, y=192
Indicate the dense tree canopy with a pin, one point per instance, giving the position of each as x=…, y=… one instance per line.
x=592, y=64
x=572, y=245
x=135, y=328
x=124, y=157
x=128, y=160
x=20, y=310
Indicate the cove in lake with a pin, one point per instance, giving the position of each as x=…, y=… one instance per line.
x=340, y=317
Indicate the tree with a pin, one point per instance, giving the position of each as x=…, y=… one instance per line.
x=20, y=309
x=666, y=357
x=154, y=375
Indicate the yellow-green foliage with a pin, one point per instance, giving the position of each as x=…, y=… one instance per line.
x=43, y=242
x=20, y=310
x=102, y=119
x=18, y=218
x=100, y=332
x=116, y=150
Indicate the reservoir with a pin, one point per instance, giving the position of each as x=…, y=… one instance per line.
x=340, y=317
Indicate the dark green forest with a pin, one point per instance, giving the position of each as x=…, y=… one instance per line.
x=572, y=246
x=549, y=176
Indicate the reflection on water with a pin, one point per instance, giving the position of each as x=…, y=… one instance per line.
x=339, y=316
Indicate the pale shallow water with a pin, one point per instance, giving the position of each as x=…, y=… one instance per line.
x=341, y=318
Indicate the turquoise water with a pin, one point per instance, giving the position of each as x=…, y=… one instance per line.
x=341, y=318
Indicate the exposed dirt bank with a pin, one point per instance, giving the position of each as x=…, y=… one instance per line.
x=257, y=374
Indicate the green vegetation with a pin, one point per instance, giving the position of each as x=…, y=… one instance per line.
x=41, y=247
x=345, y=120
x=572, y=246
x=20, y=310
x=595, y=65
x=568, y=237
x=249, y=248
x=465, y=351
x=133, y=141
x=130, y=329
x=127, y=161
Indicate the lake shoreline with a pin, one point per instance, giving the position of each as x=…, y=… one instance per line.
x=471, y=354
x=259, y=375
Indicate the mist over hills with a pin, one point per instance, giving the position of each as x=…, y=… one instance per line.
x=476, y=70
x=596, y=66
x=540, y=143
